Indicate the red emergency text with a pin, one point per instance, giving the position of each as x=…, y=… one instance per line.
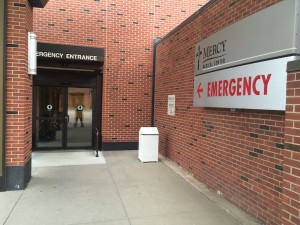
x=240, y=86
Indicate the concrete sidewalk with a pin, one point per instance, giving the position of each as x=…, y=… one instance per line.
x=119, y=190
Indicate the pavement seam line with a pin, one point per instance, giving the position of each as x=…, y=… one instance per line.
x=15, y=205
x=108, y=166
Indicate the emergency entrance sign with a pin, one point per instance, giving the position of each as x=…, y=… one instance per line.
x=254, y=86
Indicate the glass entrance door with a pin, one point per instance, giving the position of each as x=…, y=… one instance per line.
x=80, y=114
x=63, y=117
x=50, y=121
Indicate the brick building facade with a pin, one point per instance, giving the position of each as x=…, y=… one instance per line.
x=251, y=157
x=18, y=95
x=248, y=156
x=291, y=152
x=125, y=31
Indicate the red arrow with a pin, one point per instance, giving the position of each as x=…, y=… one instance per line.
x=199, y=90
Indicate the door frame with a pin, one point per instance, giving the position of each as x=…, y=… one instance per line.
x=95, y=84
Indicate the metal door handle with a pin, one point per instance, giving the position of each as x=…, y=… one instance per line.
x=67, y=118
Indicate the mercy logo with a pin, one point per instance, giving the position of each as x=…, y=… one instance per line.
x=210, y=56
x=214, y=51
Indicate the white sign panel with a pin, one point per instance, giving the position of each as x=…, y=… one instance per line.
x=171, y=105
x=267, y=34
x=254, y=86
x=32, y=59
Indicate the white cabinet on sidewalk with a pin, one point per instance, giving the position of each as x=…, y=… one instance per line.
x=148, y=144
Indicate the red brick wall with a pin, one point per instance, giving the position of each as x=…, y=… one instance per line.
x=239, y=154
x=126, y=30
x=291, y=176
x=19, y=90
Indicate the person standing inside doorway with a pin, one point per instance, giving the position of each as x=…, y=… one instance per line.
x=79, y=115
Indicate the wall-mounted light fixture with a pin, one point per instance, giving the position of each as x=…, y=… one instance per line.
x=32, y=49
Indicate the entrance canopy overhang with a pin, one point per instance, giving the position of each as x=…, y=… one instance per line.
x=38, y=3
x=69, y=57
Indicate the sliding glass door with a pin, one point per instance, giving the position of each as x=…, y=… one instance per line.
x=63, y=117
